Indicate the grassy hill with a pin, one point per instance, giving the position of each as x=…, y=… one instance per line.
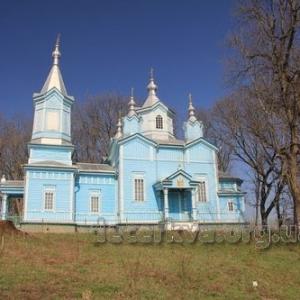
x=72, y=266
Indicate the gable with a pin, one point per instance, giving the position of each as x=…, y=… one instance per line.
x=150, y=115
x=170, y=154
x=54, y=101
x=180, y=181
x=157, y=105
x=131, y=125
x=201, y=151
x=138, y=148
x=202, y=141
x=179, y=172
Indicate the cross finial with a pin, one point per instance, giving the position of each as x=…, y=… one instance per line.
x=119, y=126
x=190, y=98
x=56, y=53
x=151, y=73
x=191, y=109
x=131, y=104
x=152, y=87
x=57, y=40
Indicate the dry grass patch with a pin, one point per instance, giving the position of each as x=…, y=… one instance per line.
x=73, y=266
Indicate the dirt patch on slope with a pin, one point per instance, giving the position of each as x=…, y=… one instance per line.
x=8, y=227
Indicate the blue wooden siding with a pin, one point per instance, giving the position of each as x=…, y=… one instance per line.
x=131, y=125
x=237, y=214
x=62, y=155
x=62, y=182
x=155, y=165
x=137, y=149
x=192, y=131
x=105, y=185
x=167, y=154
x=227, y=186
x=149, y=208
x=52, y=101
x=200, y=153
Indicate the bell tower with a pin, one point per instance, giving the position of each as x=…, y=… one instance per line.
x=52, y=117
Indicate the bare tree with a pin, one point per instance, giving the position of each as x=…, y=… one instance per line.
x=235, y=124
x=211, y=133
x=14, y=135
x=94, y=124
x=266, y=60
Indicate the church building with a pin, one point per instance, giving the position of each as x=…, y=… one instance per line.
x=149, y=177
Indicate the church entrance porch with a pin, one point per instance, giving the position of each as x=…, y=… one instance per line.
x=179, y=196
x=11, y=200
x=180, y=205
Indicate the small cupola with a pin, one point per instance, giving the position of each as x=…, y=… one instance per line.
x=193, y=129
x=152, y=89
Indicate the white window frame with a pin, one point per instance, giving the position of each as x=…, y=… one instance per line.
x=202, y=179
x=95, y=194
x=159, y=122
x=137, y=177
x=228, y=206
x=49, y=189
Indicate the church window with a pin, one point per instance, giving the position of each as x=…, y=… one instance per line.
x=159, y=122
x=139, y=189
x=202, y=197
x=94, y=203
x=230, y=206
x=49, y=194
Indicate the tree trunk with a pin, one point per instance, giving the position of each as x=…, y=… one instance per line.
x=256, y=213
x=294, y=187
x=279, y=217
x=263, y=214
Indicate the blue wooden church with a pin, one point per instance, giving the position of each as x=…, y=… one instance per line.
x=149, y=176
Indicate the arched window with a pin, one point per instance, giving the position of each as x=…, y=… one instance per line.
x=159, y=122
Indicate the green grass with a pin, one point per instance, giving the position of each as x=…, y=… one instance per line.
x=72, y=266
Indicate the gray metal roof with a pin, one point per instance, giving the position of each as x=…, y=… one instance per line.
x=84, y=167
x=54, y=79
x=13, y=183
x=170, y=142
x=49, y=163
x=224, y=175
x=39, y=141
x=90, y=167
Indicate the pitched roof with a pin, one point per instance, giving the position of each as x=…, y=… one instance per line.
x=175, y=142
x=90, y=167
x=225, y=175
x=152, y=88
x=49, y=163
x=84, y=167
x=39, y=141
x=13, y=183
x=54, y=79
